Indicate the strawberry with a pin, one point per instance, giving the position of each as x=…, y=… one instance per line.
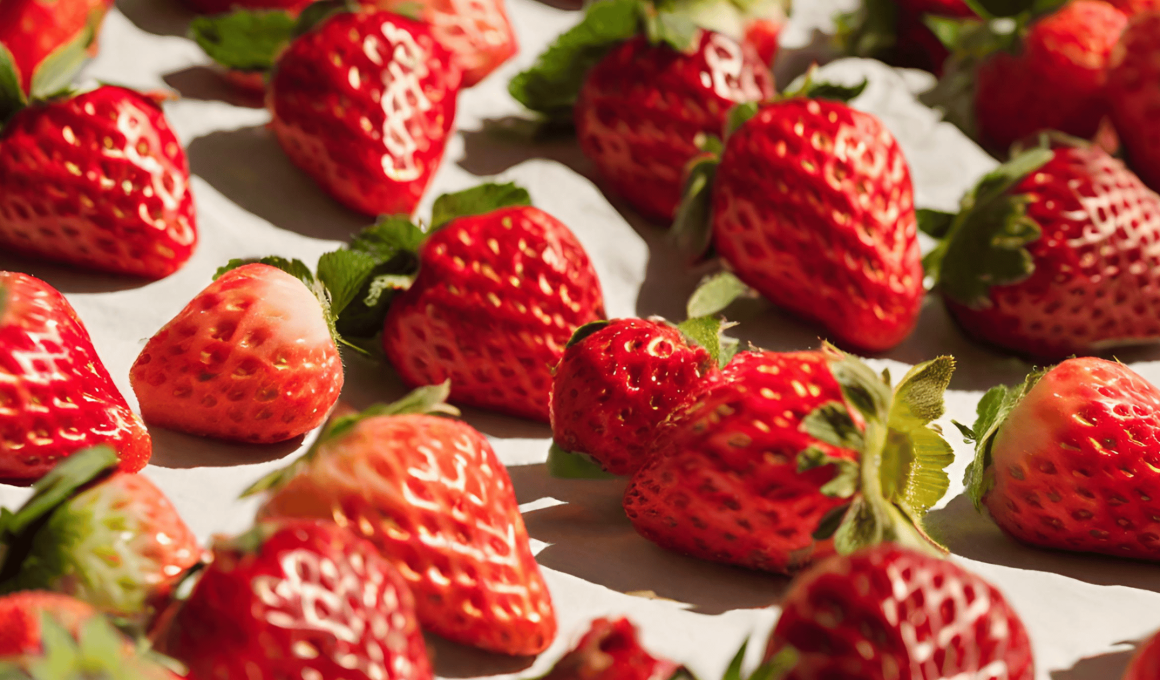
x=97, y=180
x=1134, y=7
x=1133, y=95
x=1048, y=257
x=431, y=495
x=812, y=205
x=47, y=635
x=298, y=598
x=639, y=98
x=890, y=612
x=1066, y=461
x=1145, y=664
x=45, y=41
x=364, y=103
x=770, y=468
x=106, y=537
x=501, y=287
x=251, y=358
x=56, y=397
x=610, y=650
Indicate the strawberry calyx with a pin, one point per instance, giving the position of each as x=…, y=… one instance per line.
x=984, y=245
x=97, y=650
x=52, y=76
x=775, y=668
x=430, y=399
x=901, y=472
x=991, y=413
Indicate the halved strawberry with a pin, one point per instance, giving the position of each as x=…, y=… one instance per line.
x=431, y=495
x=56, y=397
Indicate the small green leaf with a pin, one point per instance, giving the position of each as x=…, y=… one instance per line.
x=863, y=389
x=244, y=40
x=733, y=672
x=100, y=645
x=552, y=84
x=568, y=465
x=715, y=294
x=12, y=97
x=56, y=72
x=935, y=223
x=480, y=200
x=831, y=423
x=709, y=144
x=992, y=411
x=61, y=656
x=317, y=13
x=847, y=478
x=1000, y=8
x=59, y=485
x=860, y=528
x=830, y=523
x=692, y=229
x=868, y=32
x=585, y=331
x=777, y=667
x=739, y=115
x=834, y=91
x=705, y=331
x=389, y=236
x=673, y=29
x=344, y=272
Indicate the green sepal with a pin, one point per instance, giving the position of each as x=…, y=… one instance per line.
x=243, y=39
x=991, y=413
x=869, y=31
x=53, y=489
x=393, y=244
x=55, y=73
x=740, y=114
x=479, y=200
x=319, y=12
x=664, y=27
x=848, y=473
x=809, y=87
x=914, y=477
x=12, y=97
x=715, y=294
x=430, y=399
x=569, y=465
x=412, y=10
x=97, y=651
x=831, y=423
x=692, y=231
x=830, y=522
x=773, y=669
x=551, y=85
x=585, y=331
x=986, y=244
x=708, y=332
x=994, y=9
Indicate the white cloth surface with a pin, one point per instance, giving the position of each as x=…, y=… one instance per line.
x=1083, y=612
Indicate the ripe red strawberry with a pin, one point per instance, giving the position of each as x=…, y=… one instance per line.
x=500, y=290
x=56, y=397
x=1067, y=461
x=617, y=382
x=1049, y=256
x=97, y=180
x=431, y=495
x=111, y=539
x=812, y=206
x=1145, y=663
x=765, y=465
x=642, y=107
x=298, y=598
x=610, y=651
x=364, y=103
x=46, y=40
x=251, y=358
x=1134, y=96
x=889, y=612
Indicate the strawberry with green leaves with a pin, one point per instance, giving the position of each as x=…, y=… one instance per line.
x=48, y=636
x=642, y=82
x=253, y=357
x=301, y=599
x=363, y=101
x=1051, y=254
x=1067, y=461
x=793, y=456
x=430, y=494
x=811, y=204
x=56, y=397
x=109, y=538
x=620, y=380
x=500, y=288
x=889, y=612
x=43, y=43
x=96, y=179
x=1134, y=94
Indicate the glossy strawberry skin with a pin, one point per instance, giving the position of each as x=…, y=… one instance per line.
x=813, y=207
x=614, y=388
x=1145, y=664
x=1057, y=83
x=497, y=298
x=56, y=397
x=31, y=30
x=1075, y=466
x=610, y=651
x=250, y=359
x=723, y=484
x=1134, y=95
x=431, y=495
x=1093, y=285
x=303, y=598
x=20, y=619
x=888, y=612
x=641, y=108
x=365, y=104
x=99, y=181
